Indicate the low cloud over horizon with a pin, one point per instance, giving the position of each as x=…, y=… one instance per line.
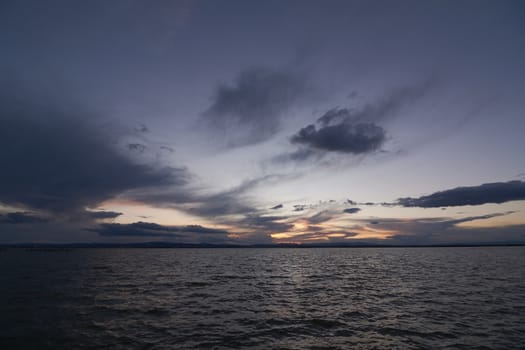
x=497, y=192
x=147, y=229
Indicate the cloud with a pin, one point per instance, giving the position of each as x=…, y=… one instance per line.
x=200, y=229
x=478, y=217
x=353, y=131
x=103, y=214
x=498, y=192
x=249, y=110
x=21, y=218
x=167, y=149
x=200, y=202
x=144, y=229
x=278, y=206
x=232, y=207
x=265, y=224
x=383, y=108
x=436, y=222
x=320, y=217
x=142, y=128
x=351, y=210
x=344, y=137
x=447, y=230
x=322, y=236
x=59, y=160
x=195, y=201
x=138, y=147
x=300, y=207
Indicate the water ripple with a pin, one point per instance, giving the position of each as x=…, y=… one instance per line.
x=410, y=298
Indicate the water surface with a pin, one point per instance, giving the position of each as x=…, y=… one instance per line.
x=319, y=298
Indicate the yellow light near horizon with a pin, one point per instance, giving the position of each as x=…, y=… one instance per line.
x=336, y=235
x=368, y=232
x=320, y=238
x=300, y=225
x=135, y=211
x=283, y=235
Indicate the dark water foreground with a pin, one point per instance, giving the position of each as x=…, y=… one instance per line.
x=396, y=298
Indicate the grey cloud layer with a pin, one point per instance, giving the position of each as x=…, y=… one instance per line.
x=498, y=192
x=265, y=224
x=55, y=159
x=249, y=110
x=21, y=218
x=446, y=230
x=199, y=202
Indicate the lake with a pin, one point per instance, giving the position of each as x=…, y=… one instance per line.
x=256, y=298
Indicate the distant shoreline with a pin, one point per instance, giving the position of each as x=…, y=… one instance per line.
x=157, y=245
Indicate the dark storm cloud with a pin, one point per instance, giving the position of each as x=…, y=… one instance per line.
x=56, y=159
x=249, y=110
x=498, y=192
x=20, y=218
x=351, y=210
x=154, y=230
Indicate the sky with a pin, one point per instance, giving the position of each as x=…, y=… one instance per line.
x=257, y=122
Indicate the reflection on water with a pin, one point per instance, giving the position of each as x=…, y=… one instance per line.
x=406, y=298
